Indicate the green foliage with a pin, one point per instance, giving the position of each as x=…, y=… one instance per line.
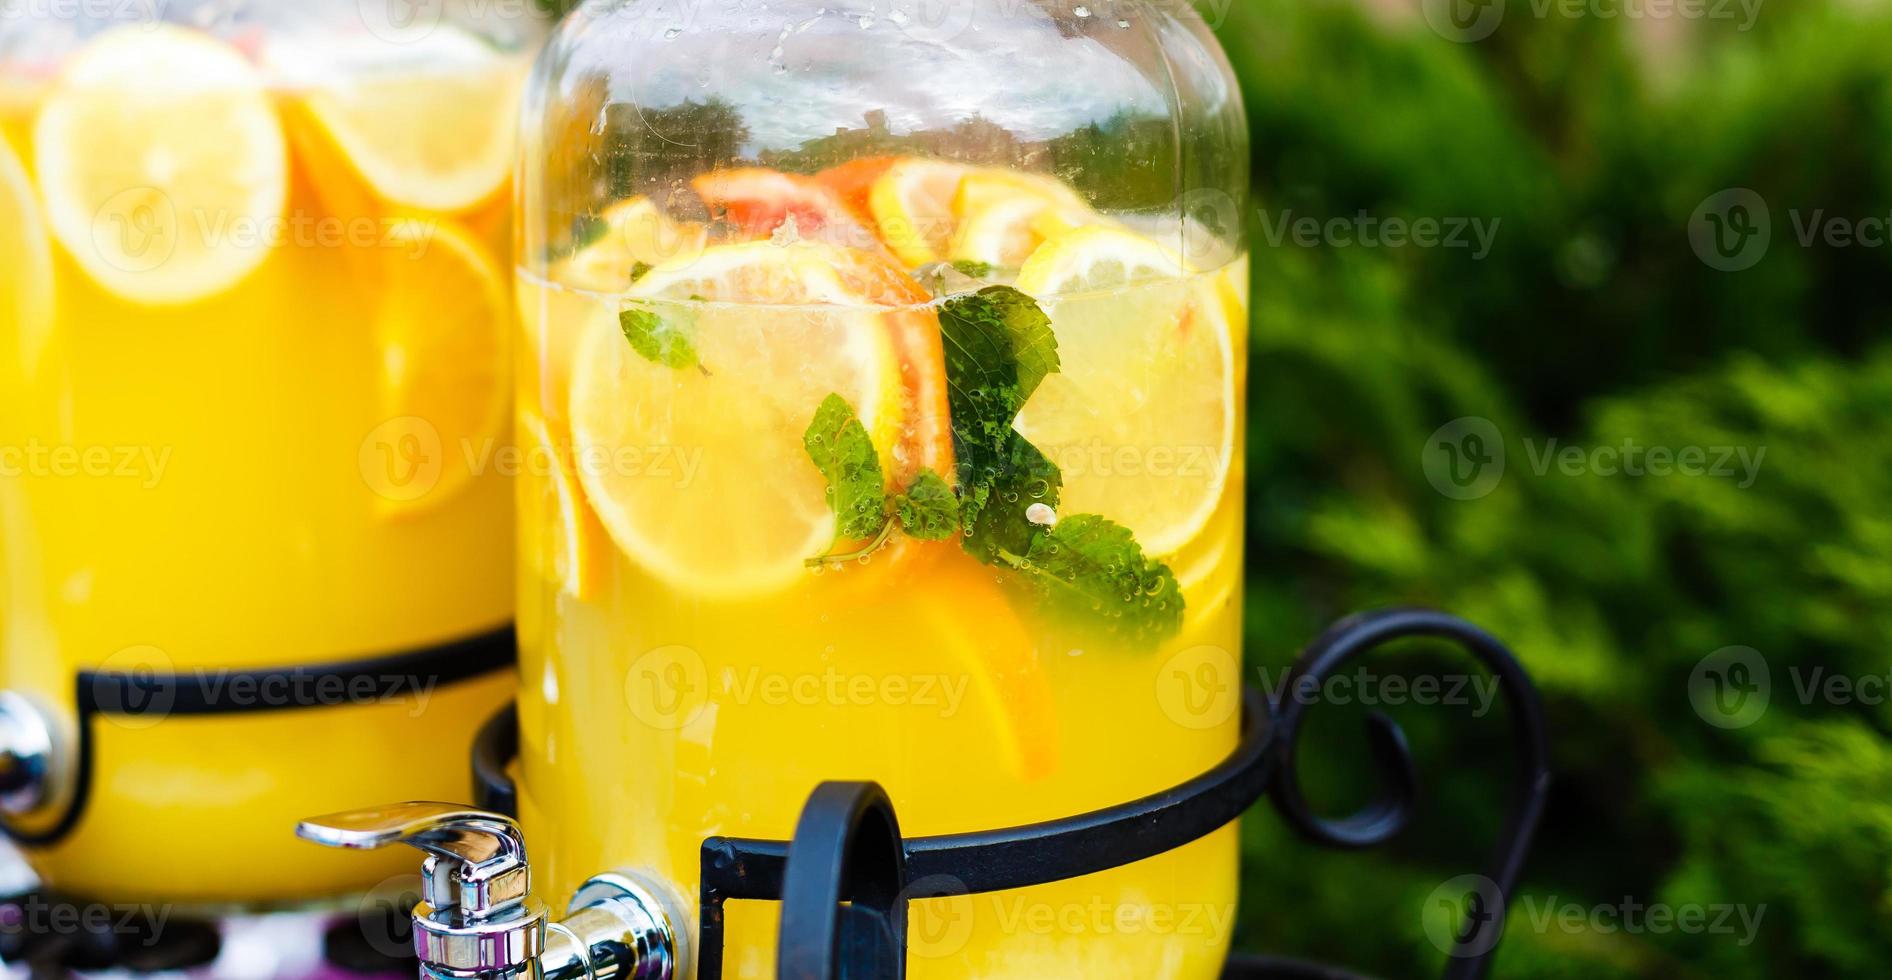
x=1092, y=572
x=844, y=453
x=928, y=510
x=999, y=346
x=1591, y=322
x=657, y=338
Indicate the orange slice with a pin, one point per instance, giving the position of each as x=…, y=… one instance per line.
x=913, y=207
x=756, y=202
x=853, y=183
x=971, y=618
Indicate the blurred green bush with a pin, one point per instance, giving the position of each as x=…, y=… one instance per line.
x=1591, y=141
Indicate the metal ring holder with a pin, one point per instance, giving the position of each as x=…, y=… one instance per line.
x=98, y=693
x=848, y=849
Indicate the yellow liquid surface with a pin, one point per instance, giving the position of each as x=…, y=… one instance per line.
x=192, y=483
x=656, y=713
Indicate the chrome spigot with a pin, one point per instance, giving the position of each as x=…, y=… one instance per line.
x=478, y=919
x=29, y=757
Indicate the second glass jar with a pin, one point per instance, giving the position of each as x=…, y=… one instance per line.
x=881, y=386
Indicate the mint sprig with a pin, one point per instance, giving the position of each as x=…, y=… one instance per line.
x=1084, y=569
x=928, y=510
x=1089, y=569
x=841, y=449
x=999, y=347
x=838, y=443
x=664, y=340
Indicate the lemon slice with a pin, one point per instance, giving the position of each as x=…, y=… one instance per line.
x=26, y=282
x=162, y=164
x=442, y=326
x=913, y=207
x=986, y=186
x=1095, y=258
x=776, y=329
x=1141, y=415
x=1007, y=231
x=636, y=233
x=560, y=538
x=428, y=125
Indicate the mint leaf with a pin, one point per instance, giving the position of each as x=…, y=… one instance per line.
x=1013, y=328
x=975, y=269
x=659, y=340
x=999, y=346
x=838, y=443
x=1091, y=570
x=1021, y=476
x=928, y=510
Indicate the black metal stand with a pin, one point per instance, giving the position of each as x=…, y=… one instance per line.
x=148, y=694
x=846, y=877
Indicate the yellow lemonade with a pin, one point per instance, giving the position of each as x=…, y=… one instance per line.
x=808, y=504
x=253, y=342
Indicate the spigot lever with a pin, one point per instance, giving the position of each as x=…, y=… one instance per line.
x=479, y=920
x=476, y=861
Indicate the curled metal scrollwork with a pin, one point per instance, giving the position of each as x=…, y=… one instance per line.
x=1397, y=801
